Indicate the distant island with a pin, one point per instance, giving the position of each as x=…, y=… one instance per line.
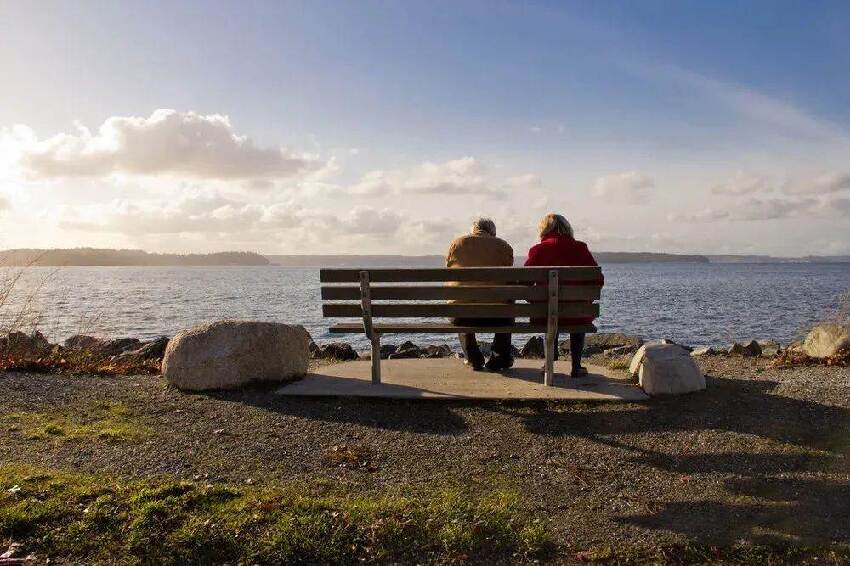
x=108, y=257
x=130, y=257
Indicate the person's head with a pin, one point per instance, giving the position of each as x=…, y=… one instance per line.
x=484, y=226
x=554, y=225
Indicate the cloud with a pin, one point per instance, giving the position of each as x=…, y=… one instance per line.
x=631, y=186
x=5, y=204
x=166, y=143
x=742, y=184
x=463, y=176
x=823, y=184
x=757, y=209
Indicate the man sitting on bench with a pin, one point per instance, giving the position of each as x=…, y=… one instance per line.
x=482, y=248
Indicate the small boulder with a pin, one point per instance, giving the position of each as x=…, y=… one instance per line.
x=22, y=344
x=406, y=350
x=704, y=351
x=83, y=342
x=597, y=343
x=230, y=353
x=118, y=346
x=627, y=350
x=387, y=350
x=152, y=350
x=314, y=349
x=534, y=348
x=749, y=350
x=340, y=351
x=666, y=369
x=432, y=351
x=769, y=348
x=826, y=340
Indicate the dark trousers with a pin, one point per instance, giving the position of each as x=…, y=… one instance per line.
x=469, y=344
x=576, y=348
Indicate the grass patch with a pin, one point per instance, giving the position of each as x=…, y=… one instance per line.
x=713, y=554
x=106, y=421
x=620, y=363
x=91, y=518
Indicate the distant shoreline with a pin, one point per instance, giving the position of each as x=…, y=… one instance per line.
x=92, y=257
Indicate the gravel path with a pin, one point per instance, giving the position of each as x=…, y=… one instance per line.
x=761, y=456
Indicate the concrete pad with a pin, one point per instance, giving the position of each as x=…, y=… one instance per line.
x=449, y=378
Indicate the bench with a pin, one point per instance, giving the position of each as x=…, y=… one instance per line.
x=549, y=292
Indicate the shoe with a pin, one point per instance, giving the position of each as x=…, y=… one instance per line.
x=496, y=363
x=579, y=372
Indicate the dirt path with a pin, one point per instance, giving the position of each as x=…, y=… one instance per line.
x=761, y=457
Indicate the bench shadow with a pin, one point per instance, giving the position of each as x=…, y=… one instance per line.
x=776, y=496
x=409, y=415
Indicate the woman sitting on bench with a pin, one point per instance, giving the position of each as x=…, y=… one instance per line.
x=558, y=247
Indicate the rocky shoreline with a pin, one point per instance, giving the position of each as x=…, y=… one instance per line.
x=83, y=353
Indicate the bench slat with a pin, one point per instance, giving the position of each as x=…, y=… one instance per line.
x=480, y=310
x=489, y=274
x=443, y=292
x=443, y=328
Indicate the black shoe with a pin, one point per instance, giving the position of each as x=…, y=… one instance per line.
x=579, y=372
x=497, y=363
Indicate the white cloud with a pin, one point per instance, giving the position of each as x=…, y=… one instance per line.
x=758, y=209
x=463, y=176
x=823, y=184
x=630, y=186
x=166, y=143
x=742, y=183
x=5, y=204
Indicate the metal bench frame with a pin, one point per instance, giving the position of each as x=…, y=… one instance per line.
x=556, y=292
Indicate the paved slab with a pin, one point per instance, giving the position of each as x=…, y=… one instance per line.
x=451, y=379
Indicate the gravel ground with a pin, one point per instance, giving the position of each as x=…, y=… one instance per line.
x=761, y=456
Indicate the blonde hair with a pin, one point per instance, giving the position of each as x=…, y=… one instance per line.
x=554, y=224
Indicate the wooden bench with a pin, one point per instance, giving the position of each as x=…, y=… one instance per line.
x=550, y=292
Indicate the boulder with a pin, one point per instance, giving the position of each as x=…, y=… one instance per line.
x=152, y=350
x=432, y=351
x=769, y=348
x=387, y=350
x=314, y=349
x=621, y=351
x=749, y=350
x=22, y=344
x=230, y=353
x=704, y=351
x=826, y=340
x=83, y=342
x=534, y=348
x=666, y=369
x=340, y=351
x=596, y=343
x=118, y=346
x=406, y=350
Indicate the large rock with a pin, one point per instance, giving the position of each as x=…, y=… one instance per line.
x=666, y=369
x=406, y=350
x=21, y=344
x=825, y=340
x=230, y=353
x=596, y=343
x=534, y=348
x=153, y=350
x=749, y=350
x=83, y=342
x=437, y=351
x=340, y=351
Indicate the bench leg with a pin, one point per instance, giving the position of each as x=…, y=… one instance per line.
x=376, y=359
x=549, y=369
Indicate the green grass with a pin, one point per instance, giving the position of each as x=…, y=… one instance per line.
x=91, y=518
x=107, y=421
x=620, y=363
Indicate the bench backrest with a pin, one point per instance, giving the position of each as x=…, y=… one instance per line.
x=348, y=292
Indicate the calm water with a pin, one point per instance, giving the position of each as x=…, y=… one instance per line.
x=691, y=303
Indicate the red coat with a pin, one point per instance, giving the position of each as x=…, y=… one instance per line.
x=563, y=251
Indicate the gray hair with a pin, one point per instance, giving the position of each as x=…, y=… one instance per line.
x=555, y=224
x=484, y=226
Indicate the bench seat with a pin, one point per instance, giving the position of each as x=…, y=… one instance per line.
x=447, y=328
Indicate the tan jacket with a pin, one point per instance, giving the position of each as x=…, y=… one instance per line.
x=478, y=250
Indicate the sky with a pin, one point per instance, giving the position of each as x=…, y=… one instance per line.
x=388, y=127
